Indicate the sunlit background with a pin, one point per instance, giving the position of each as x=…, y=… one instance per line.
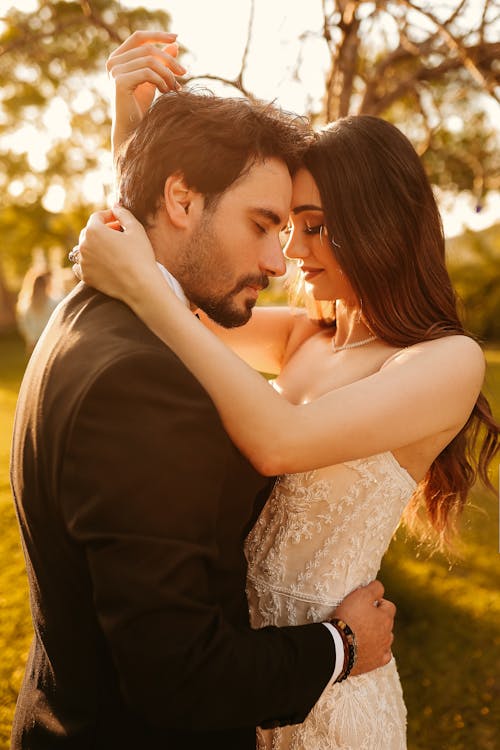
x=56, y=167
x=214, y=34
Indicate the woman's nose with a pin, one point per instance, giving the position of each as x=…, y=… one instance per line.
x=294, y=248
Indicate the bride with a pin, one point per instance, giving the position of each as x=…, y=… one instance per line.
x=371, y=418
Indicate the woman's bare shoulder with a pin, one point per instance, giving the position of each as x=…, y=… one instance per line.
x=302, y=328
x=458, y=354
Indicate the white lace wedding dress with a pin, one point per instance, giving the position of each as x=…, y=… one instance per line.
x=322, y=534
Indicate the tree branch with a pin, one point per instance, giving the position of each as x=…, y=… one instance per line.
x=90, y=13
x=454, y=44
x=236, y=82
x=247, y=43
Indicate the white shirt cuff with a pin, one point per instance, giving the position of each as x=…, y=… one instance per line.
x=339, y=652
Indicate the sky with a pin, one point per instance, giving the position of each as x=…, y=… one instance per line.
x=214, y=32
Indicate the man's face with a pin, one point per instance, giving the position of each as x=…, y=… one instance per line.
x=235, y=246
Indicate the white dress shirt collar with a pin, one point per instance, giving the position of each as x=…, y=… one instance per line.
x=173, y=284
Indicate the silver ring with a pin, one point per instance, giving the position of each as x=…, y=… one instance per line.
x=377, y=602
x=74, y=255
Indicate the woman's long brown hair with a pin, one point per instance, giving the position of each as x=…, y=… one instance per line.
x=387, y=236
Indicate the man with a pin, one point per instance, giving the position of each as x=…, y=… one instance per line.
x=133, y=503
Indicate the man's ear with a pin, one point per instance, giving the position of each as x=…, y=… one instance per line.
x=178, y=200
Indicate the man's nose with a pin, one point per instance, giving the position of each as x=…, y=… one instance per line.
x=273, y=263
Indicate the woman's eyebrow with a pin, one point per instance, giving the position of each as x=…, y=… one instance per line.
x=305, y=207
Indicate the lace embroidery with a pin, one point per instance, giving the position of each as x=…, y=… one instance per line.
x=322, y=534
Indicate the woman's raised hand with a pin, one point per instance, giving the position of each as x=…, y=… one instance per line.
x=115, y=255
x=143, y=64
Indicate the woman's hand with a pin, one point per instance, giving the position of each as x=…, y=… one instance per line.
x=115, y=255
x=138, y=68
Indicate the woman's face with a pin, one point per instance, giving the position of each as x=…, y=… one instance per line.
x=309, y=243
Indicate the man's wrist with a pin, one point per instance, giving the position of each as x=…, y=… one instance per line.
x=349, y=642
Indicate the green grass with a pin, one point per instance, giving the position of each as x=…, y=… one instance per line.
x=447, y=635
x=15, y=625
x=447, y=629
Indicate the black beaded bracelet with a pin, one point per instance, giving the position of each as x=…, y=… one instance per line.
x=349, y=640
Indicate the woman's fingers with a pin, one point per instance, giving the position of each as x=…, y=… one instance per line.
x=171, y=49
x=167, y=55
x=132, y=79
x=103, y=217
x=144, y=64
x=111, y=260
x=128, y=221
x=142, y=70
x=139, y=38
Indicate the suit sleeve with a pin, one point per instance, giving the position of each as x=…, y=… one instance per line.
x=141, y=483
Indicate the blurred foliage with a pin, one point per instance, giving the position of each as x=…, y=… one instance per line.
x=474, y=265
x=427, y=66
x=52, y=65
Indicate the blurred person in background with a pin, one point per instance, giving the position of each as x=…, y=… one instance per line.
x=35, y=304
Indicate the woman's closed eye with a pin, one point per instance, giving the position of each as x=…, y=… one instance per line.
x=316, y=229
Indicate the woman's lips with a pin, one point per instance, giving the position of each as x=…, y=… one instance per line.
x=311, y=273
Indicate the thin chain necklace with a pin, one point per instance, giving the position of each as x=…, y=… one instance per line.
x=352, y=346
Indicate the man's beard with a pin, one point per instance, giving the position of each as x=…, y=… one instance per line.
x=201, y=265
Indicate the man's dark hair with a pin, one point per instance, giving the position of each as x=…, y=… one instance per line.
x=210, y=140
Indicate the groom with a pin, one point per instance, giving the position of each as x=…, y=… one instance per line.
x=133, y=503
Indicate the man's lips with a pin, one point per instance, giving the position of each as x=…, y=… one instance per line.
x=255, y=290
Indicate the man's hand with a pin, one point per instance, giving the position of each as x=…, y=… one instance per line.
x=143, y=64
x=371, y=617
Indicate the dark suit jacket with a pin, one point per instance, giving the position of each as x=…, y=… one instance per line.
x=133, y=505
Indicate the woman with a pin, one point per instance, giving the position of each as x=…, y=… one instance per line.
x=368, y=419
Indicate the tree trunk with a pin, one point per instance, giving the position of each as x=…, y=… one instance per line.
x=344, y=58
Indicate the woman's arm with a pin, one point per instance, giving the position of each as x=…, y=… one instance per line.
x=138, y=68
x=268, y=339
x=425, y=390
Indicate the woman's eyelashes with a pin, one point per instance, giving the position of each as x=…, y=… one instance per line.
x=307, y=229
x=316, y=229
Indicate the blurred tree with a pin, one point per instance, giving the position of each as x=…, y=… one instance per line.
x=426, y=65
x=51, y=63
x=474, y=264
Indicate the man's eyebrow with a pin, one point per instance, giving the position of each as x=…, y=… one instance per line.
x=268, y=214
x=306, y=207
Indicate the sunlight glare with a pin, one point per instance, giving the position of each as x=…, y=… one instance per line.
x=54, y=198
x=16, y=188
x=25, y=6
x=459, y=212
x=56, y=118
x=82, y=102
x=93, y=187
